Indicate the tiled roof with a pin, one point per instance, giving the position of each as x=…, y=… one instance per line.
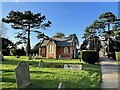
x=62, y=43
x=44, y=43
x=59, y=41
x=62, y=39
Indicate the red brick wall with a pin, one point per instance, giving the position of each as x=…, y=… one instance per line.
x=60, y=51
x=50, y=55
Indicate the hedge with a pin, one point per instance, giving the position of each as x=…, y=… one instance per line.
x=17, y=52
x=113, y=55
x=90, y=56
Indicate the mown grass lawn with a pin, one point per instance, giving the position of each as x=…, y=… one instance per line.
x=47, y=77
x=119, y=62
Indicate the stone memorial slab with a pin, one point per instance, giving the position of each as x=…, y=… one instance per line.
x=22, y=75
x=73, y=66
x=41, y=64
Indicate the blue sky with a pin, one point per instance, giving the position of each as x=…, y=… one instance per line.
x=66, y=17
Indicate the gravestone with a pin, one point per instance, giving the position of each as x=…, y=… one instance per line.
x=1, y=57
x=41, y=64
x=17, y=56
x=73, y=66
x=30, y=57
x=33, y=56
x=65, y=66
x=36, y=56
x=61, y=86
x=22, y=75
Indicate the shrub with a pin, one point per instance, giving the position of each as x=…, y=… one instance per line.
x=118, y=56
x=5, y=52
x=53, y=65
x=17, y=52
x=12, y=52
x=90, y=56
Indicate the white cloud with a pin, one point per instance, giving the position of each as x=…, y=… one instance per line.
x=16, y=0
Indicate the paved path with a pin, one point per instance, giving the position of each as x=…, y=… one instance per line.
x=110, y=73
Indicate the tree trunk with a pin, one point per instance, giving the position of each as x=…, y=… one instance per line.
x=28, y=43
x=108, y=38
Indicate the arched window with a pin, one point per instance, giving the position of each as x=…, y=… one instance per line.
x=65, y=50
x=43, y=50
x=50, y=48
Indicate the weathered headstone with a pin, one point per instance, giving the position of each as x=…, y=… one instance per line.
x=1, y=57
x=73, y=66
x=33, y=56
x=17, y=56
x=65, y=66
x=22, y=75
x=36, y=56
x=30, y=57
x=41, y=64
x=61, y=86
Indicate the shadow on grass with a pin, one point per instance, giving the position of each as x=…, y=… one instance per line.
x=10, y=62
x=8, y=80
x=41, y=72
x=90, y=67
x=53, y=84
x=8, y=71
x=85, y=66
x=15, y=62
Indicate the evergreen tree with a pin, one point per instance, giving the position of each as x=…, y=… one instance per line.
x=27, y=22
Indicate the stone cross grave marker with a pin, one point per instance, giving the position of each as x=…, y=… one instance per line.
x=22, y=75
x=73, y=66
x=41, y=64
x=61, y=86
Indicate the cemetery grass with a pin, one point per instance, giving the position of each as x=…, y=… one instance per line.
x=50, y=77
